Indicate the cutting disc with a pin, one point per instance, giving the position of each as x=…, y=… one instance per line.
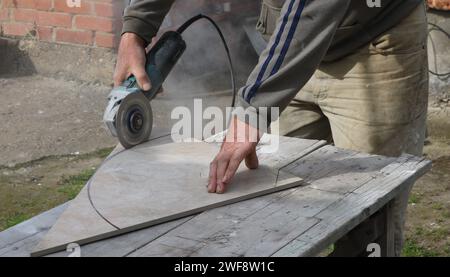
x=134, y=120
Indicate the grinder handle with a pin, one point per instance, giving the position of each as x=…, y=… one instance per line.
x=161, y=58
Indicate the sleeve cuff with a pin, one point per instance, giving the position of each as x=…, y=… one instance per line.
x=139, y=27
x=254, y=117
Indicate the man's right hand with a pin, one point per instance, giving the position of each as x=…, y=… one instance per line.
x=131, y=61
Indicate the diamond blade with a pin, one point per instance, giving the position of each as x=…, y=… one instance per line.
x=134, y=120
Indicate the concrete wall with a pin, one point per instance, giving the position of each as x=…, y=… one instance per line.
x=439, y=53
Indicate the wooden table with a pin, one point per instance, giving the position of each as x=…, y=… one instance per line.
x=343, y=191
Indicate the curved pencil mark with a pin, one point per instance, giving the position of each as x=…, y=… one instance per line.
x=89, y=191
x=90, y=182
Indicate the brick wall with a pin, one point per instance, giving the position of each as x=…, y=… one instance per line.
x=98, y=22
x=85, y=22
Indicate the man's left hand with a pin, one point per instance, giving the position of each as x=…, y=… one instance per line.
x=239, y=144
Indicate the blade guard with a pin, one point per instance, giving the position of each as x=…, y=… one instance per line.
x=114, y=99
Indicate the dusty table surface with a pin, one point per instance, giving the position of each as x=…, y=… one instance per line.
x=341, y=189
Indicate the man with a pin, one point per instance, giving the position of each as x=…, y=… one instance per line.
x=354, y=72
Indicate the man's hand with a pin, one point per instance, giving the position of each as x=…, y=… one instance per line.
x=239, y=144
x=131, y=61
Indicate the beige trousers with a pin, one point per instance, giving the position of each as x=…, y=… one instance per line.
x=373, y=101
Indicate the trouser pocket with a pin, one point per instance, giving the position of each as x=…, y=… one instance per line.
x=409, y=36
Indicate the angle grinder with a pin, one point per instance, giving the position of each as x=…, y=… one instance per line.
x=128, y=114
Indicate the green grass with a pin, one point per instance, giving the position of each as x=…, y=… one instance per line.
x=71, y=185
x=46, y=198
x=16, y=219
x=100, y=153
x=446, y=213
x=423, y=242
x=413, y=249
x=20, y=196
x=414, y=198
x=437, y=206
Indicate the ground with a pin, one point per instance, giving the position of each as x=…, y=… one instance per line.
x=428, y=220
x=50, y=149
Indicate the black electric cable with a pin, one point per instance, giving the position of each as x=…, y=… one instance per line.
x=440, y=29
x=188, y=23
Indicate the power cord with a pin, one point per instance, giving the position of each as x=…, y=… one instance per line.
x=436, y=27
x=188, y=23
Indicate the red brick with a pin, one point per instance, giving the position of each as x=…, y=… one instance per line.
x=17, y=29
x=61, y=6
x=77, y=37
x=7, y=4
x=105, y=40
x=54, y=19
x=4, y=14
x=45, y=33
x=94, y=23
x=25, y=15
x=104, y=9
x=44, y=5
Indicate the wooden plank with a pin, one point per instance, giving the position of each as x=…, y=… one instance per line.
x=122, y=245
x=387, y=240
x=258, y=229
x=355, y=242
x=18, y=241
x=192, y=245
x=339, y=170
x=135, y=178
x=127, y=243
x=315, y=173
x=344, y=215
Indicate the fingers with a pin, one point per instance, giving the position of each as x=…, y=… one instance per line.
x=142, y=77
x=231, y=154
x=251, y=160
x=224, y=167
x=212, y=182
x=221, y=169
x=131, y=60
x=233, y=166
x=119, y=77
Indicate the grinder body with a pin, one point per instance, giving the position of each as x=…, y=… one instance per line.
x=128, y=114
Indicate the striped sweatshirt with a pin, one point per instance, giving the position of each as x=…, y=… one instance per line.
x=307, y=33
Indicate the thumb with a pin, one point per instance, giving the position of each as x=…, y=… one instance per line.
x=142, y=78
x=251, y=160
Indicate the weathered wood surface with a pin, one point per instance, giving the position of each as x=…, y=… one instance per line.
x=136, y=190
x=342, y=189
